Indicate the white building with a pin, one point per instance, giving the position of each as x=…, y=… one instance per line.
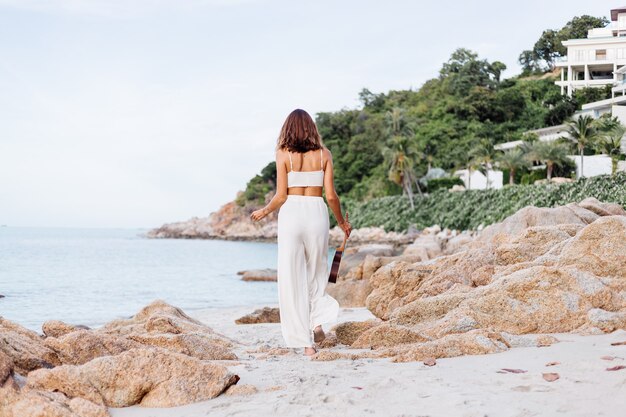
x=595, y=61
x=593, y=164
x=480, y=181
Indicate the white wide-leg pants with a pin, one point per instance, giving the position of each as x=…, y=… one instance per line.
x=303, y=269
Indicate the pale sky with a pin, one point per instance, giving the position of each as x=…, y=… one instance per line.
x=122, y=113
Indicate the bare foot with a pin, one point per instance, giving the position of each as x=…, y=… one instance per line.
x=310, y=351
x=318, y=334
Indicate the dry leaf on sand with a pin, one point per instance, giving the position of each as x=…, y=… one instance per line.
x=616, y=368
x=553, y=363
x=551, y=376
x=514, y=371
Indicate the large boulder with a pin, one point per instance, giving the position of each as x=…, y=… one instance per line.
x=150, y=377
x=266, y=274
x=48, y=404
x=25, y=348
x=261, y=315
x=599, y=248
x=56, y=328
x=540, y=271
x=158, y=324
x=350, y=293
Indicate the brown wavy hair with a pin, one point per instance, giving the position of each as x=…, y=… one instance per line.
x=299, y=133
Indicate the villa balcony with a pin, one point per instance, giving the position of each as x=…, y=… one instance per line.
x=585, y=83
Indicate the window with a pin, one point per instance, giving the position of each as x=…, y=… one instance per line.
x=600, y=54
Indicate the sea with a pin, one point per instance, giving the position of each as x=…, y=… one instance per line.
x=92, y=276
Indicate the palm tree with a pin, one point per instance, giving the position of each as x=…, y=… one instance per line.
x=401, y=156
x=481, y=158
x=583, y=133
x=551, y=153
x=512, y=160
x=611, y=143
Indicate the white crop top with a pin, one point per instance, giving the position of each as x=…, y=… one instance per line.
x=305, y=178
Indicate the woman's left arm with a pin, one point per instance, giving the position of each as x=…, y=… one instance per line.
x=281, y=189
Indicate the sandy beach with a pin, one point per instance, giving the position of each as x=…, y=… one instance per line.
x=294, y=385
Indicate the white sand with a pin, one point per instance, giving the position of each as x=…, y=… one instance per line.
x=463, y=386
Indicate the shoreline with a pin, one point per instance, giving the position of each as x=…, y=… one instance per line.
x=291, y=384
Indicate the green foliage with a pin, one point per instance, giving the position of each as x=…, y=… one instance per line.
x=549, y=46
x=590, y=94
x=445, y=183
x=469, y=209
x=259, y=186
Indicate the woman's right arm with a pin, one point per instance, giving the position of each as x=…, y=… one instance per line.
x=331, y=194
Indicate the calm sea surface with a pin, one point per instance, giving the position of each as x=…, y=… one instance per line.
x=91, y=276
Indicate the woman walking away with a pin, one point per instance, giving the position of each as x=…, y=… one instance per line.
x=304, y=167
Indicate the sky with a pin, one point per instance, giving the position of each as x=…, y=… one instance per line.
x=122, y=113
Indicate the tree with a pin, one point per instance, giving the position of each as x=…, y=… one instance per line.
x=549, y=46
x=551, y=154
x=583, y=133
x=513, y=160
x=482, y=158
x=401, y=155
x=464, y=71
x=610, y=142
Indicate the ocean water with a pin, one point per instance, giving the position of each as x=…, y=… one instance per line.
x=92, y=276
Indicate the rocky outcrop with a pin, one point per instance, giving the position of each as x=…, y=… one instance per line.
x=160, y=358
x=261, y=315
x=56, y=328
x=148, y=377
x=232, y=222
x=25, y=348
x=266, y=274
x=539, y=271
x=158, y=324
x=34, y=403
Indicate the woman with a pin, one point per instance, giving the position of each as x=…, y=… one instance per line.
x=303, y=168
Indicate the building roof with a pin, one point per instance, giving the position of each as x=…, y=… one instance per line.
x=616, y=11
x=604, y=103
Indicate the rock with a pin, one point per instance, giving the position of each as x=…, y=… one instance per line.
x=259, y=275
x=25, y=348
x=536, y=216
x=81, y=346
x=607, y=321
x=160, y=317
x=6, y=367
x=350, y=293
x=476, y=342
x=56, y=328
x=158, y=324
x=386, y=335
x=243, y=389
x=148, y=377
x=349, y=331
x=534, y=242
x=353, y=258
x=49, y=404
x=429, y=308
x=602, y=209
x=427, y=246
x=262, y=315
x=540, y=271
x=599, y=248
x=197, y=345
x=367, y=235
